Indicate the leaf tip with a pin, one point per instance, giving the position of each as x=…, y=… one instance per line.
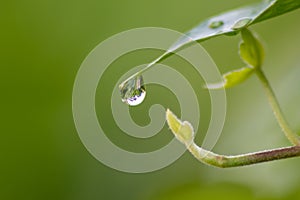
x=183, y=131
x=173, y=122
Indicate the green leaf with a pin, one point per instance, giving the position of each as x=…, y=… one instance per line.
x=231, y=22
x=232, y=78
x=183, y=131
x=278, y=8
x=251, y=50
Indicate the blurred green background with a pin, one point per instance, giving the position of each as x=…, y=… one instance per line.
x=43, y=44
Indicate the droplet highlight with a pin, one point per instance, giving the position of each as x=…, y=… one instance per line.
x=216, y=24
x=133, y=91
x=241, y=23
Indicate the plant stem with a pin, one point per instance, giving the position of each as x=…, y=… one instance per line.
x=184, y=132
x=289, y=133
x=224, y=161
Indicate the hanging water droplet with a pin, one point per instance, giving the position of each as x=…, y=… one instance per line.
x=216, y=24
x=133, y=91
x=137, y=99
x=241, y=23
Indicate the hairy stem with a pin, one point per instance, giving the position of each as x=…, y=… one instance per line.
x=225, y=161
x=289, y=133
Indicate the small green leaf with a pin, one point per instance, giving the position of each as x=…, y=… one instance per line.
x=232, y=78
x=251, y=50
x=183, y=131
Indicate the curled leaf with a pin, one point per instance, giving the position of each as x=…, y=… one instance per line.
x=183, y=131
x=232, y=78
x=251, y=50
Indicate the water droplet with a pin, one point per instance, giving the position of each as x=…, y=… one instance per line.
x=241, y=23
x=216, y=24
x=133, y=90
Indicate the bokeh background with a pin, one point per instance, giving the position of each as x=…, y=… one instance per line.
x=42, y=46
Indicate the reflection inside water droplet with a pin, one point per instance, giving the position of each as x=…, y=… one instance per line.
x=133, y=91
x=137, y=99
x=216, y=24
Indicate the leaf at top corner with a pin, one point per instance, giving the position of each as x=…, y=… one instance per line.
x=251, y=50
x=229, y=23
x=278, y=8
x=232, y=78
